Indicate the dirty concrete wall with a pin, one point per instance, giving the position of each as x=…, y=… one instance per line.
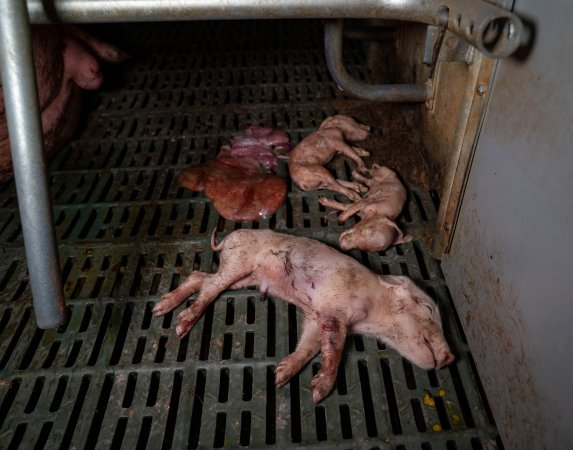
x=510, y=267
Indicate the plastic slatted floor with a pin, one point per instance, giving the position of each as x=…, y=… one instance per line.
x=115, y=376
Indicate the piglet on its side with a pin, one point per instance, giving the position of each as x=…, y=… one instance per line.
x=307, y=159
x=378, y=210
x=337, y=294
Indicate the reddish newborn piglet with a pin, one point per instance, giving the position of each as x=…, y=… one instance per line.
x=317, y=149
x=378, y=210
x=337, y=294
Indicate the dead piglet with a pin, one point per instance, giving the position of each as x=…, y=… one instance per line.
x=66, y=60
x=378, y=210
x=352, y=130
x=307, y=159
x=336, y=293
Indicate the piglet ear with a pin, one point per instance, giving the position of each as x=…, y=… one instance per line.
x=400, y=238
x=390, y=281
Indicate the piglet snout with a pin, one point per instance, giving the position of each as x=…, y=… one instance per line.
x=441, y=355
x=443, y=358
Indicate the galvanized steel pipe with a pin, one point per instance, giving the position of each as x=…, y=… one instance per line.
x=493, y=30
x=42, y=11
x=377, y=92
x=26, y=141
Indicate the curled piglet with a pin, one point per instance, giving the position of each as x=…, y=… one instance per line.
x=337, y=294
x=378, y=210
x=307, y=159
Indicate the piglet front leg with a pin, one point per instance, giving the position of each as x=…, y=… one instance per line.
x=332, y=336
x=348, y=209
x=308, y=346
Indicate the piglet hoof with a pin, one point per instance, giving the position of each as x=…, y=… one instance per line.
x=283, y=374
x=183, y=328
x=354, y=196
x=321, y=385
x=167, y=303
x=361, y=152
x=356, y=187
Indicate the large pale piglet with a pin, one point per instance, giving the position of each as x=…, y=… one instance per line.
x=337, y=294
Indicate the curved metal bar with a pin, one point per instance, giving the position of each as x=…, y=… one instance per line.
x=377, y=92
x=26, y=142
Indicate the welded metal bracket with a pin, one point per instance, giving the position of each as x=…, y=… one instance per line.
x=441, y=45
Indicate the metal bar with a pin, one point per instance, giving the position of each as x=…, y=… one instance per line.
x=25, y=131
x=42, y=11
x=357, y=88
x=493, y=30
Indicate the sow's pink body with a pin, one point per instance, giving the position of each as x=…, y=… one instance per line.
x=337, y=294
x=66, y=60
